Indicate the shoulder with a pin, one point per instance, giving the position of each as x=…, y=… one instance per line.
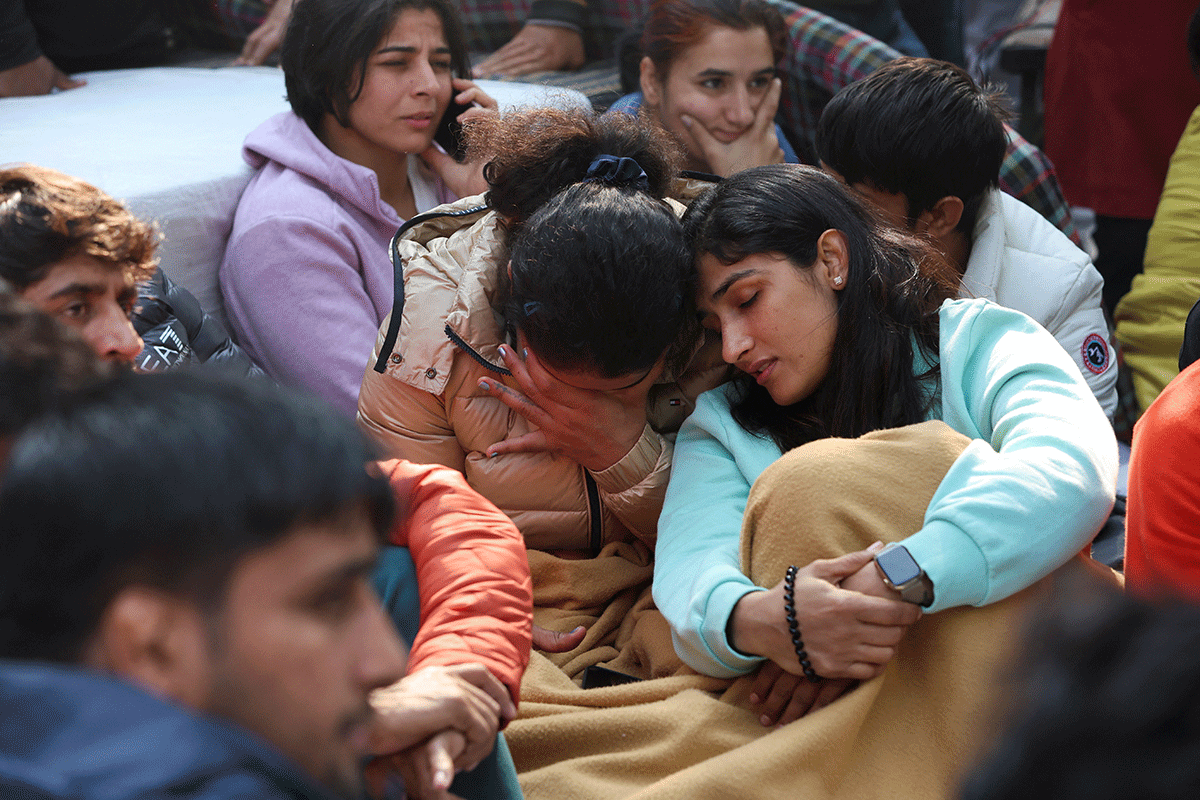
x=629, y=104
x=1028, y=232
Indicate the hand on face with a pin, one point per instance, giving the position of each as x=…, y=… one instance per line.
x=846, y=634
x=465, y=178
x=756, y=147
x=594, y=428
x=535, y=48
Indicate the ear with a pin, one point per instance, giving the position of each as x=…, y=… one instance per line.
x=156, y=640
x=942, y=219
x=832, y=266
x=651, y=84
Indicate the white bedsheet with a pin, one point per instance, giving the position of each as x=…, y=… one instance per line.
x=168, y=141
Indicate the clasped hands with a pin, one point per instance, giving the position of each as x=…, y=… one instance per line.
x=434, y=723
x=851, y=624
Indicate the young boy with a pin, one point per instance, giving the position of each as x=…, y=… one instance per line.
x=922, y=142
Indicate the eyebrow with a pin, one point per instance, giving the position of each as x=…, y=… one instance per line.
x=79, y=288
x=730, y=281
x=714, y=73
x=408, y=50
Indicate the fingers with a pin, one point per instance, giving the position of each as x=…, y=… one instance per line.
x=436, y=159
x=502, y=62
x=768, y=673
x=877, y=611
x=834, y=569
x=440, y=762
x=764, y=118
x=469, y=93
x=514, y=400
x=555, y=642
x=710, y=148
x=481, y=677
x=63, y=81
x=532, y=442
x=530, y=375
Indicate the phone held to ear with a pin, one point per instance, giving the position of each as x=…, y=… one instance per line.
x=449, y=131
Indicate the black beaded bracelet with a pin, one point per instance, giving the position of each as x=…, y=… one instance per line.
x=789, y=608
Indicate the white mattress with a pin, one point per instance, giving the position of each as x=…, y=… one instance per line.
x=167, y=141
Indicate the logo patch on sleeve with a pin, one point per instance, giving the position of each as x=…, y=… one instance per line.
x=1095, y=353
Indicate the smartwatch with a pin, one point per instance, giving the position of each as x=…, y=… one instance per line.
x=900, y=571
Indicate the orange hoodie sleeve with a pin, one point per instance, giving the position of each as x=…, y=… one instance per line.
x=472, y=573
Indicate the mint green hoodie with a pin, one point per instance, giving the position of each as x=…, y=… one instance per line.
x=1026, y=495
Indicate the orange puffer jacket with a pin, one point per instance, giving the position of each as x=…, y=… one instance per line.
x=472, y=573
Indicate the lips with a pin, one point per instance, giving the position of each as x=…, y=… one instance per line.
x=761, y=370
x=419, y=120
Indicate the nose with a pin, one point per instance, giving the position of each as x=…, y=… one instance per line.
x=738, y=109
x=425, y=80
x=382, y=656
x=114, y=338
x=735, y=343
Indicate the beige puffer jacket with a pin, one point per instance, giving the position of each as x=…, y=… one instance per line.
x=426, y=405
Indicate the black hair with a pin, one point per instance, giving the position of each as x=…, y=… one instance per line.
x=599, y=271
x=887, y=312
x=42, y=363
x=327, y=44
x=1104, y=703
x=599, y=277
x=167, y=480
x=918, y=127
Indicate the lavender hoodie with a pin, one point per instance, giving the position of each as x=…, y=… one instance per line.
x=306, y=276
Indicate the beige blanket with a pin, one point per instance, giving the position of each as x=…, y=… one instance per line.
x=909, y=733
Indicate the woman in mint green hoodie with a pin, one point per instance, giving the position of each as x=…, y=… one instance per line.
x=840, y=326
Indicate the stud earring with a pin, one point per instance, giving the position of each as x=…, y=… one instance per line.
x=837, y=280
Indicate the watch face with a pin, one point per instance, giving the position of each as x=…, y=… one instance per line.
x=898, y=565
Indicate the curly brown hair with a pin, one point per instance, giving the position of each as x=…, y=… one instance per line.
x=535, y=154
x=47, y=216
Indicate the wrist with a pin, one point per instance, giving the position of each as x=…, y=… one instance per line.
x=748, y=631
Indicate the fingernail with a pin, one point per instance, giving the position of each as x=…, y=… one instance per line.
x=687, y=121
x=441, y=779
x=754, y=699
x=503, y=351
x=525, y=353
x=876, y=546
x=765, y=720
x=487, y=387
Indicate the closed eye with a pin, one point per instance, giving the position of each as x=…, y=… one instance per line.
x=749, y=302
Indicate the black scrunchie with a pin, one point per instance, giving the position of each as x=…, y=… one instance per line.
x=618, y=172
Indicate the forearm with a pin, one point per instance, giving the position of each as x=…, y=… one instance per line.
x=18, y=39
x=473, y=574
x=633, y=489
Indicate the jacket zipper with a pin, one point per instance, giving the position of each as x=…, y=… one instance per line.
x=596, y=536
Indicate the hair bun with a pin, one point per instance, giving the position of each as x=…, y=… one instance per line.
x=620, y=172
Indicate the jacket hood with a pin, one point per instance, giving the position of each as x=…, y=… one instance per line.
x=288, y=141
x=71, y=732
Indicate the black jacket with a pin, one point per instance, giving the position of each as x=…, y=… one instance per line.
x=177, y=332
